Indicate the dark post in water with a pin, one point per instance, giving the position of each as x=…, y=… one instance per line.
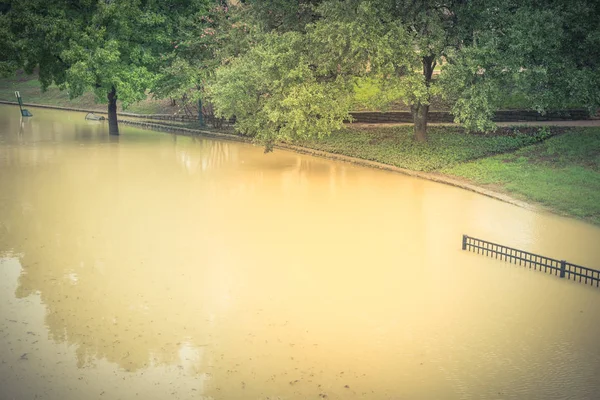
x=563, y=266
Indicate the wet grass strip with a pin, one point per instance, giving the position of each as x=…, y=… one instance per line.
x=447, y=145
x=562, y=173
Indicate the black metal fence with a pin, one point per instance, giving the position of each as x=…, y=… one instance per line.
x=559, y=268
x=218, y=122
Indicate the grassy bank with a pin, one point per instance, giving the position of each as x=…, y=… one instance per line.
x=447, y=145
x=556, y=167
x=562, y=173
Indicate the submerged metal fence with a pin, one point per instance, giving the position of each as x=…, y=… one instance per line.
x=559, y=268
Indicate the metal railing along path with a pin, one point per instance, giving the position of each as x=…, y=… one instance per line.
x=559, y=268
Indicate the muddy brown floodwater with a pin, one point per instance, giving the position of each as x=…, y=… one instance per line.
x=155, y=266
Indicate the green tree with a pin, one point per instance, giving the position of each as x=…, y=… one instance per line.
x=397, y=44
x=275, y=93
x=271, y=86
x=544, y=52
x=281, y=15
x=8, y=56
x=110, y=46
x=482, y=48
x=204, y=42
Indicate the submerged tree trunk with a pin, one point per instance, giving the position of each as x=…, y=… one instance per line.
x=420, y=111
x=113, y=125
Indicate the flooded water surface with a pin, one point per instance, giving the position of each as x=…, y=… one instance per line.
x=154, y=266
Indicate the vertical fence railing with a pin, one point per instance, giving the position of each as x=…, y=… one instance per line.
x=559, y=268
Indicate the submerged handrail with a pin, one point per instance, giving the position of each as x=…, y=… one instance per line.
x=560, y=268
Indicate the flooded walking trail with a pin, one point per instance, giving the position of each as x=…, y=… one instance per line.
x=156, y=266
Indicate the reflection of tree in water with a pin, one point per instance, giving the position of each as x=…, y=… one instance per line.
x=309, y=173
x=199, y=154
x=107, y=316
x=105, y=313
x=135, y=263
x=108, y=287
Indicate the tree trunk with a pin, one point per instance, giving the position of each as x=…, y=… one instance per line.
x=113, y=125
x=200, y=115
x=420, y=113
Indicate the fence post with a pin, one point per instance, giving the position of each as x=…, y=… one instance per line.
x=464, y=244
x=563, y=267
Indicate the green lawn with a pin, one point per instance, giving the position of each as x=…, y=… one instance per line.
x=562, y=173
x=447, y=145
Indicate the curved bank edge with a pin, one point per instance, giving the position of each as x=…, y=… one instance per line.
x=305, y=150
x=353, y=160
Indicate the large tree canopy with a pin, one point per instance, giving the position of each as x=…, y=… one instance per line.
x=113, y=47
x=205, y=42
x=546, y=52
x=482, y=48
x=275, y=92
x=290, y=69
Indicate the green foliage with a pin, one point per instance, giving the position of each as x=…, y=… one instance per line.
x=372, y=40
x=319, y=66
x=474, y=91
x=8, y=55
x=366, y=91
x=204, y=41
x=290, y=69
x=281, y=15
x=360, y=38
x=385, y=51
x=275, y=94
x=447, y=146
x=97, y=45
x=527, y=52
